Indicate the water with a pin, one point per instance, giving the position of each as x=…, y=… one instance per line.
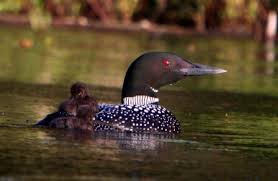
x=229, y=121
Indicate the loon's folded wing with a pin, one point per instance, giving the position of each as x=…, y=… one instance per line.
x=46, y=121
x=137, y=118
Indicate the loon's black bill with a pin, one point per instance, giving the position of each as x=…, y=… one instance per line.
x=199, y=69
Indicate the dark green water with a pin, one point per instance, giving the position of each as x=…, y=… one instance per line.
x=229, y=121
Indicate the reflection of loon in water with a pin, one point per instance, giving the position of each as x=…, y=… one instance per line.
x=140, y=110
x=117, y=140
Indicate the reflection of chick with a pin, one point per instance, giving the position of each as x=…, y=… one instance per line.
x=82, y=121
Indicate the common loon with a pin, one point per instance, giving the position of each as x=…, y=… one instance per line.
x=139, y=110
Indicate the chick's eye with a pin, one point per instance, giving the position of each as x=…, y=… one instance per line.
x=166, y=62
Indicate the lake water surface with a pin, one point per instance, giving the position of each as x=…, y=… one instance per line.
x=229, y=121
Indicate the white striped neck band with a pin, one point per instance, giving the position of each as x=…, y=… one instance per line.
x=140, y=100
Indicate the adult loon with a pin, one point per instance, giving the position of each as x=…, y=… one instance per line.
x=139, y=110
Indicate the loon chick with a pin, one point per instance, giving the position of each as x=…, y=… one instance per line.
x=140, y=110
x=79, y=97
x=68, y=107
x=79, y=90
x=82, y=121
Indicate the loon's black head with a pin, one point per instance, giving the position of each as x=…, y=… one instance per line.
x=153, y=70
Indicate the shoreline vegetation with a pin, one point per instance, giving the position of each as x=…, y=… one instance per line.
x=135, y=27
x=253, y=18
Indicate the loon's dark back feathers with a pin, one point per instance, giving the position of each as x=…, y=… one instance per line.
x=135, y=118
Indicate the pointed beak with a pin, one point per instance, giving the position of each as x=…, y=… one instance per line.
x=199, y=69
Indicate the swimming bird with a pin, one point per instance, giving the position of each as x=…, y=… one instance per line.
x=139, y=110
x=80, y=96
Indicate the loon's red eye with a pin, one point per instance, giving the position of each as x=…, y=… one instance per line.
x=166, y=62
